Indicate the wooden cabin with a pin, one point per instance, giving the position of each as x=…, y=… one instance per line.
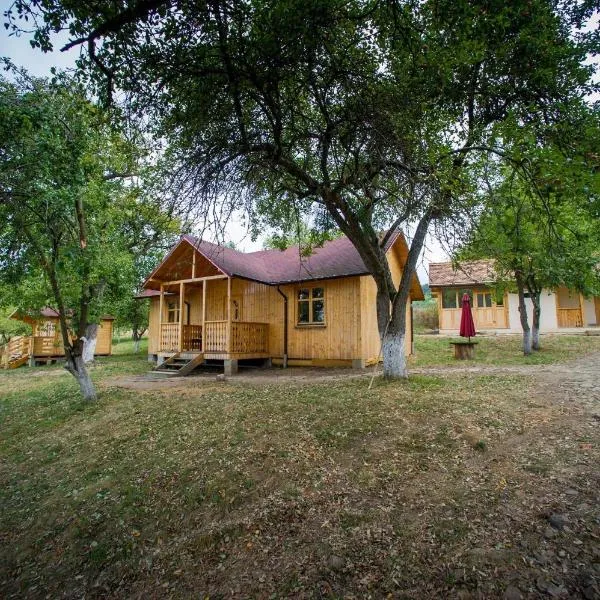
x=561, y=309
x=45, y=342
x=213, y=303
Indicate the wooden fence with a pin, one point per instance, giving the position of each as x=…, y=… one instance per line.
x=569, y=317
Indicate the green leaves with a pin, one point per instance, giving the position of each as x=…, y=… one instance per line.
x=60, y=152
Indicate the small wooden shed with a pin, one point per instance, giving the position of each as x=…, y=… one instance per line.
x=45, y=342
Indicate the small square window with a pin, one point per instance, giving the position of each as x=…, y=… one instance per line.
x=311, y=306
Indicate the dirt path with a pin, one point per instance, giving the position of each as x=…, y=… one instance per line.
x=586, y=371
x=552, y=515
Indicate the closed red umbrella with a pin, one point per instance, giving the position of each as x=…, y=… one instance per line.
x=467, y=326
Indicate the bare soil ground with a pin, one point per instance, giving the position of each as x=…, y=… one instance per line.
x=304, y=375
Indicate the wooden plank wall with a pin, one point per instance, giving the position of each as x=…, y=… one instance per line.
x=369, y=335
x=193, y=295
x=370, y=342
x=339, y=339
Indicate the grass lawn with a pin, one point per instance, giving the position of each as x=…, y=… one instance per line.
x=436, y=487
x=435, y=350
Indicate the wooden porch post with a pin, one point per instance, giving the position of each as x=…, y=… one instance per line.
x=194, y=264
x=181, y=307
x=204, y=283
x=228, y=315
x=160, y=315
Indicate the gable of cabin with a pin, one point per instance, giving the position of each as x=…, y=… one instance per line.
x=182, y=263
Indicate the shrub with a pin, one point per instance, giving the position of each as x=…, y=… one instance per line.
x=425, y=315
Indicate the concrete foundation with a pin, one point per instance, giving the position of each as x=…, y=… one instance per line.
x=230, y=367
x=358, y=363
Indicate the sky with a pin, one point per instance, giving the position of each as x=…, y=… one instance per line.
x=19, y=50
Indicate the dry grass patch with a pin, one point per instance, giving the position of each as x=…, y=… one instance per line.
x=417, y=489
x=433, y=350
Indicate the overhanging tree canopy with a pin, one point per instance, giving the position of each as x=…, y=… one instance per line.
x=367, y=109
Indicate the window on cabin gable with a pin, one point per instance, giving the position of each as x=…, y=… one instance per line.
x=47, y=329
x=311, y=306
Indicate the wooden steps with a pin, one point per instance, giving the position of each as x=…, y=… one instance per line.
x=179, y=366
x=15, y=353
x=18, y=362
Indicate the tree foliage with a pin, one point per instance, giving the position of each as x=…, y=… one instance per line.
x=72, y=218
x=542, y=226
x=368, y=110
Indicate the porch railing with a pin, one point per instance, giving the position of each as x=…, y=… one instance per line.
x=220, y=337
x=216, y=336
x=47, y=345
x=192, y=337
x=16, y=347
x=569, y=317
x=248, y=337
x=169, y=337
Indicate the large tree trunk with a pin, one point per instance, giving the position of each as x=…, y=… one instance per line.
x=137, y=334
x=76, y=366
x=391, y=316
x=394, y=346
x=523, y=315
x=535, y=324
x=89, y=346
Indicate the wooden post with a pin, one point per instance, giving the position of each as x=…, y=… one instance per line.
x=581, y=309
x=194, y=263
x=204, y=283
x=181, y=307
x=160, y=315
x=228, y=315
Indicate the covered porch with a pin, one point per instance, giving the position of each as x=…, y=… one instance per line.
x=199, y=315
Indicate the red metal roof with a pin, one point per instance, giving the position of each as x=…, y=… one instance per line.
x=336, y=258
